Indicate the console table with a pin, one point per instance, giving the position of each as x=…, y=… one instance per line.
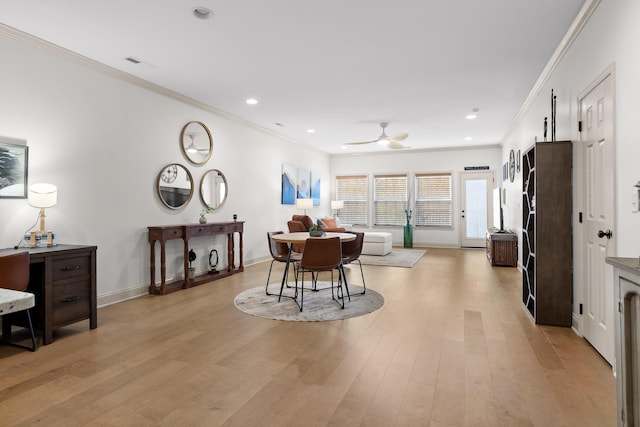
x=63, y=280
x=185, y=231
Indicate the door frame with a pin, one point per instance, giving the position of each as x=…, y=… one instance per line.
x=580, y=200
x=490, y=186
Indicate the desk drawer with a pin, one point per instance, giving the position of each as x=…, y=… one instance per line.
x=69, y=268
x=71, y=302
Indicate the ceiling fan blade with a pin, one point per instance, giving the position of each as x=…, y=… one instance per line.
x=395, y=145
x=399, y=137
x=359, y=143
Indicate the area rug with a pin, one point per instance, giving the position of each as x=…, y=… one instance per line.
x=396, y=258
x=318, y=306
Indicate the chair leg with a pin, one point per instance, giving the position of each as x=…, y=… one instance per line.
x=266, y=288
x=31, y=331
x=364, y=285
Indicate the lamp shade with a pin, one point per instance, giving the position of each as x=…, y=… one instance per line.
x=337, y=204
x=43, y=195
x=304, y=203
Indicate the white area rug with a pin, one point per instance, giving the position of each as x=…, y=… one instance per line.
x=318, y=306
x=396, y=258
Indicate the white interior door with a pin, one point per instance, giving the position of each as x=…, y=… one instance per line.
x=475, y=208
x=598, y=230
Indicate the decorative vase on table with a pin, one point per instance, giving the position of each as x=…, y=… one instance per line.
x=203, y=219
x=408, y=231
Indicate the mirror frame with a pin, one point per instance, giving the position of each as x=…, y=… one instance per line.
x=183, y=142
x=226, y=183
x=159, y=180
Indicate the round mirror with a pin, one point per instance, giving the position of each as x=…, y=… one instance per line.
x=196, y=142
x=213, y=189
x=175, y=186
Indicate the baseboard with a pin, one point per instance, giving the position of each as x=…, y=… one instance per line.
x=122, y=295
x=141, y=290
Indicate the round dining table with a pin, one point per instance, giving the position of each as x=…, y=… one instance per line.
x=302, y=237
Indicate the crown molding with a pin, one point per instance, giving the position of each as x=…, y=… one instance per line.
x=69, y=55
x=588, y=7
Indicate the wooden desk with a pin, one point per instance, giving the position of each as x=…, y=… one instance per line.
x=185, y=231
x=63, y=280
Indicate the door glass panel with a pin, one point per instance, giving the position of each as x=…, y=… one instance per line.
x=476, y=208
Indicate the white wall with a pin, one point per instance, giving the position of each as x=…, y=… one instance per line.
x=449, y=161
x=103, y=140
x=610, y=37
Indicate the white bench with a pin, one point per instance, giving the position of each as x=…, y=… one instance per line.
x=13, y=301
x=376, y=243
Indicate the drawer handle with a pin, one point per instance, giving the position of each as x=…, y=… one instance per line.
x=72, y=268
x=71, y=299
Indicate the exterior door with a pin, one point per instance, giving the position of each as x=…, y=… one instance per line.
x=597, y=146
x=475, y=208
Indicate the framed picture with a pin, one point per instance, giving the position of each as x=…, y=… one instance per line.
x=315, y=188
x=304, y=184
x=288, y=184
x=14, y=166
x=518, y=157
x=505, y=171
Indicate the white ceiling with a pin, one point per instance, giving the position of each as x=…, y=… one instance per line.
x=337, y=66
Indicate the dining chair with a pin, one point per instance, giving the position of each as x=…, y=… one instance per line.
x=280, y=252
x=351, y=252
x=297, y=227
x=14, y=279
x=323, y=255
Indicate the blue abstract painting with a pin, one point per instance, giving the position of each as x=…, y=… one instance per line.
x=315, y=188
x=288, y=184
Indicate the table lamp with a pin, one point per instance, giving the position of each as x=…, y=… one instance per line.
x=304, y=204
x=42, y=196
x=335, y=205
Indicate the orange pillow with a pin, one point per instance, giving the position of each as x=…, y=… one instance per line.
x=330, y=222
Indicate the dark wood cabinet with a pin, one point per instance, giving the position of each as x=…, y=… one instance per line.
x=63, y=280
x=184, y=232
x=502, y=248
x=547, y=281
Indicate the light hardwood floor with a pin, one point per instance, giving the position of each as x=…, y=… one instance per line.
x=452, y=346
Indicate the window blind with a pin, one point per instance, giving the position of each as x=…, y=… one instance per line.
x=352, y=190
x=434, y=207
x=390, y=199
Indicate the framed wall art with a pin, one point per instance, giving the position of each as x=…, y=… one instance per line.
x=304, y=184
x=315, y=188
x=14, y=168
x=288, y=184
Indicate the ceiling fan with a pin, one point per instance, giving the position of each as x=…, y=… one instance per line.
x=192, y=147
x=386, y=140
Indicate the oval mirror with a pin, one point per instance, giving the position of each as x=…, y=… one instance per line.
x=196, y=142
x=175, y=186
x=213, y=189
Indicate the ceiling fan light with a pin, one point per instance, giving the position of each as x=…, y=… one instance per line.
x=383, y=141
x=192, y=148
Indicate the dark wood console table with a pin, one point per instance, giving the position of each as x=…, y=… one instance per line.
x=185, y=231
x=63, y=280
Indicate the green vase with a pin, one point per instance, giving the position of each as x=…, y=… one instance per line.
x=408, y=236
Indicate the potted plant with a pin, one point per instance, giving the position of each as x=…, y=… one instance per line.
x=315, y=231
x=203, y=218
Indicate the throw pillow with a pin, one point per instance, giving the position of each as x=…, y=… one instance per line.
x=330, y=222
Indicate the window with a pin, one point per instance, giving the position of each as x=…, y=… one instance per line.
x=390, y=199
x=434, y=207
x=353, y=191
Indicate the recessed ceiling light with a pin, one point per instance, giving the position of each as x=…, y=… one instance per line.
x=473, y=115
x=202, y=13
x=311, y=131
x=468, y=138
x=252, y=101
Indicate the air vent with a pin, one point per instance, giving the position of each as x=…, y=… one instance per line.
x=132, y=59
